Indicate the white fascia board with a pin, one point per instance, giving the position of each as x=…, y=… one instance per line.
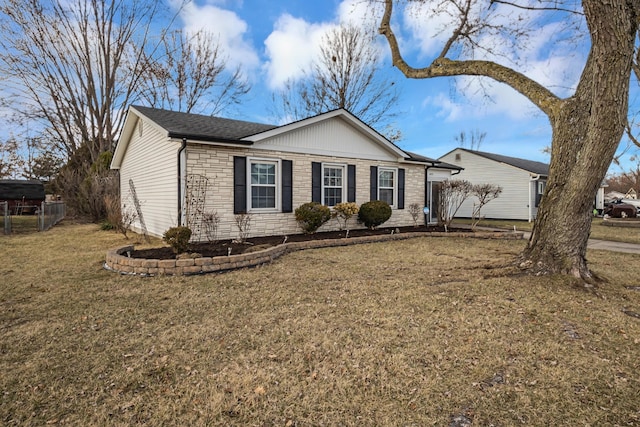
x=125, y=136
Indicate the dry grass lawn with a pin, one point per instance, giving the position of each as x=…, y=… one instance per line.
x=428, y=331
x=598, y=230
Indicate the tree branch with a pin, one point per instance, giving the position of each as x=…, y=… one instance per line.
x=558, y=9
x=542, y=97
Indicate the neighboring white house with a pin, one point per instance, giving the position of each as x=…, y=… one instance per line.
x=522, y=181
x=181, y=167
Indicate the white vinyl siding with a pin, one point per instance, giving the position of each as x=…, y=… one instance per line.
x=333, y=137
x=518, y=190
x=151, y=164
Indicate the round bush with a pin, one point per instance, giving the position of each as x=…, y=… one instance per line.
x=311, y=216
x=177, y=238
x=374, y=213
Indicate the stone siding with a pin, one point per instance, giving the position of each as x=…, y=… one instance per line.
x=217, y=165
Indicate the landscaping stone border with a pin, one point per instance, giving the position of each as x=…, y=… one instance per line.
x=119, y=261
x=622, y=222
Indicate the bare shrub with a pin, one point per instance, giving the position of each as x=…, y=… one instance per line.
x=120, y=216
x=415, y=210
x=453, y=193
x=211, y=221
x=485, y=193
x=243, y=222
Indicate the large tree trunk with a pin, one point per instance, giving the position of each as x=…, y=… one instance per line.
x=586, y=131
x=587, y=127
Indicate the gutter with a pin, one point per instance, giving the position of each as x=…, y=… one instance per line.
x=180, y=151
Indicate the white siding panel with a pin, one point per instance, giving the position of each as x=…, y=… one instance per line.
x=151, y=163
x=333, y=137
x=513, y=202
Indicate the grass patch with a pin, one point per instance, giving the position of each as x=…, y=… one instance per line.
x=410, y=332
x=598, y=231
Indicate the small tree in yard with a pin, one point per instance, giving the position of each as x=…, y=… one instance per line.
x=485, y=193
x=343, y=212
x=453, y=193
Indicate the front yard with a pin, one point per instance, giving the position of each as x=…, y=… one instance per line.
x=427, y=331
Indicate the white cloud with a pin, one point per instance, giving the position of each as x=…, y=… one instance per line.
x=291, y=47
x=360, y=13
x=294, y=42
x=227, y=26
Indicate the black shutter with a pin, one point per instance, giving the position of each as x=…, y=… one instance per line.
x=351, y=183
x=373, y=195
x=287, y=186
x=400, y=188
x=316, y=182
x=239, y=184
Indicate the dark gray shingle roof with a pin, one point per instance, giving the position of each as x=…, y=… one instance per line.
x=201, y=127
x=538, y=168
x=16, y=189
x=436, y=163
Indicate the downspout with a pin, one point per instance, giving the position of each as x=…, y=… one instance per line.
x=531, y=204
x=180, y=151
x=427, y=193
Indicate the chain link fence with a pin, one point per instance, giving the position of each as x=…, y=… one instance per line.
x=6, y=217
x=50, y=214
x=47, y=215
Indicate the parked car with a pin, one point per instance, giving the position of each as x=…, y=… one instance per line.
x=621, y=209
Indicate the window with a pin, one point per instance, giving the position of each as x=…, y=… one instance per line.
x=387, y=185
x=264, y=184
x=333, y=184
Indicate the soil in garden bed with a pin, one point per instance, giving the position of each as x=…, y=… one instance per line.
x=221, y=247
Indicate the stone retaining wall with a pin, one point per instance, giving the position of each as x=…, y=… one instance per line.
x=118, y=259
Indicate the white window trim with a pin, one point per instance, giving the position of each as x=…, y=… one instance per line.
x=278, y=184
x=342, y=166
x=395, y=183
x=541, y=186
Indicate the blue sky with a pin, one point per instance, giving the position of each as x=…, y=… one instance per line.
x=275, y=40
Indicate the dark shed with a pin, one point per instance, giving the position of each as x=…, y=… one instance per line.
x=24, y=196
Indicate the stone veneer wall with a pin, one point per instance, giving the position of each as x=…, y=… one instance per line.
x=118, y=261
x=217, y=165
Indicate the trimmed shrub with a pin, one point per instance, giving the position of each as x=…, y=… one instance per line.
x=343, y=213
x=177, y=238
x=374, y=213
x=311, y=216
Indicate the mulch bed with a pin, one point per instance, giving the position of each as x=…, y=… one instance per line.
x=221, y=247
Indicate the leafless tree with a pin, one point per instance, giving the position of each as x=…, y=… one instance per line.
x=587, y=126
x=346, y=74
x=474, y=140
x=627, y=179
x=76, y=64
x=189, y=74
x=10, y=160
x=485, y=193
x=453, y=193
